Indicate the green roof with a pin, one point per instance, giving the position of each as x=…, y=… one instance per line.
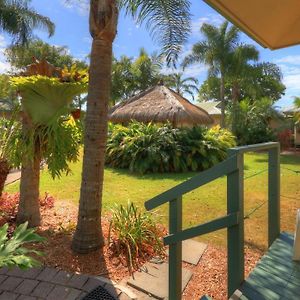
x=212, y=107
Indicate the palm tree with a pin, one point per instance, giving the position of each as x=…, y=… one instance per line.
x=239, y=70
x=214, y=51
x=182, y=85
x=169, y=24
x=19, y=20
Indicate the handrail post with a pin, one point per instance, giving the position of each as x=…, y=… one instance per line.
x=235, y=234
x=274, y=195
x=175, y=250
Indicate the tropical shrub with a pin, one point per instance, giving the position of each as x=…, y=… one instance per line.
x=253, y=121
x=148, y=148
x=135, y=234
x=12, y=251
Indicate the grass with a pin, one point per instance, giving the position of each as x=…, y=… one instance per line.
x=201, y=205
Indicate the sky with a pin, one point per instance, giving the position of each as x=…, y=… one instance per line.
x=71, y=19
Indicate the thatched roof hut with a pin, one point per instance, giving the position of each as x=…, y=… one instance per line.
x=159, y=104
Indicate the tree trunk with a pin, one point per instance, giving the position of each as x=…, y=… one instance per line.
x=29, y=206
x=4, y=170
x=222, y=98
x=103, y=24
x=235, y=100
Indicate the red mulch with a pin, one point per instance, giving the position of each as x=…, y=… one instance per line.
x=210, y=275
x=59, y=221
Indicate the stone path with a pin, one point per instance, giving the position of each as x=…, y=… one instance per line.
x=152, y=280
x=53, y=284
x=13, y=176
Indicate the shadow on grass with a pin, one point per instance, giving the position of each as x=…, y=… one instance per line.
x=153, y=176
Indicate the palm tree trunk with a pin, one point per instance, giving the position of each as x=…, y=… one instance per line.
x=222, y=98
x=103, y=23
x=235, y=100
x=29, y=207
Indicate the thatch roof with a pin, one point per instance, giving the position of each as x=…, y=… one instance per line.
x=159, y=105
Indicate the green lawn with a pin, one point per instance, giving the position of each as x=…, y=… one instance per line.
x=200, y=205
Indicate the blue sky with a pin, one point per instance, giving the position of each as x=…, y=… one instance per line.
x=72, y=30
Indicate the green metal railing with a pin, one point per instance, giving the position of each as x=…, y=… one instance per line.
x=233, y=168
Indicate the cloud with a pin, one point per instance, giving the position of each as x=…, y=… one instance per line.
x=213, y=19
x=80, y=6
x=290, y=67
x=289, y=59
x=4, y=65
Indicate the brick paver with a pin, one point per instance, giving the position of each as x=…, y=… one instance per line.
x=43, y=289
x=8, y=296
x=53, y=284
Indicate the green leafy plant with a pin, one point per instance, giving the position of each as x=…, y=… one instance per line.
x=253, y=121
x=8, y=127
x=134, y=234
x=149, y=148
x=12, y=251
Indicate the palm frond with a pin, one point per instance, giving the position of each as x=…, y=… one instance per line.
x=19, y=20
x=168, y=22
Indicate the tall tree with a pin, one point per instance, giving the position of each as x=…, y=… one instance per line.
x=130, y=77
x=214, y=51
x=20, y=57
x=262, y=80
x=239, y=70
x=19, y=20
x=169, y=23
x=181, y=85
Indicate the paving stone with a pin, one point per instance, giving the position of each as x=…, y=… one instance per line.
x=123, y=296
x=43, y=289
x=8, y=296
x=47, y=274
x=62, y=277
x=91, y=284
x=73, y=294
x=11, y=283
x=27, y=286
x=31, y=273
x=78, y=281
x=3, y=270
x=154, y=279
x=82, y=294
x=59, y=292
x=126, y=290
x=24, y=297
x=15, y=272
x=192, y=251
x=2, y=278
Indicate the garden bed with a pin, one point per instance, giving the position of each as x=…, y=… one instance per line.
x=59, y=220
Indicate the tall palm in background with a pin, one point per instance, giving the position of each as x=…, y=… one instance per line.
x=181, y=85
x=214, y=51
x=19, y=20
x=239, y=70
x=169, y=24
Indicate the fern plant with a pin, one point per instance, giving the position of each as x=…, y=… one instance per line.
x=12, y=250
